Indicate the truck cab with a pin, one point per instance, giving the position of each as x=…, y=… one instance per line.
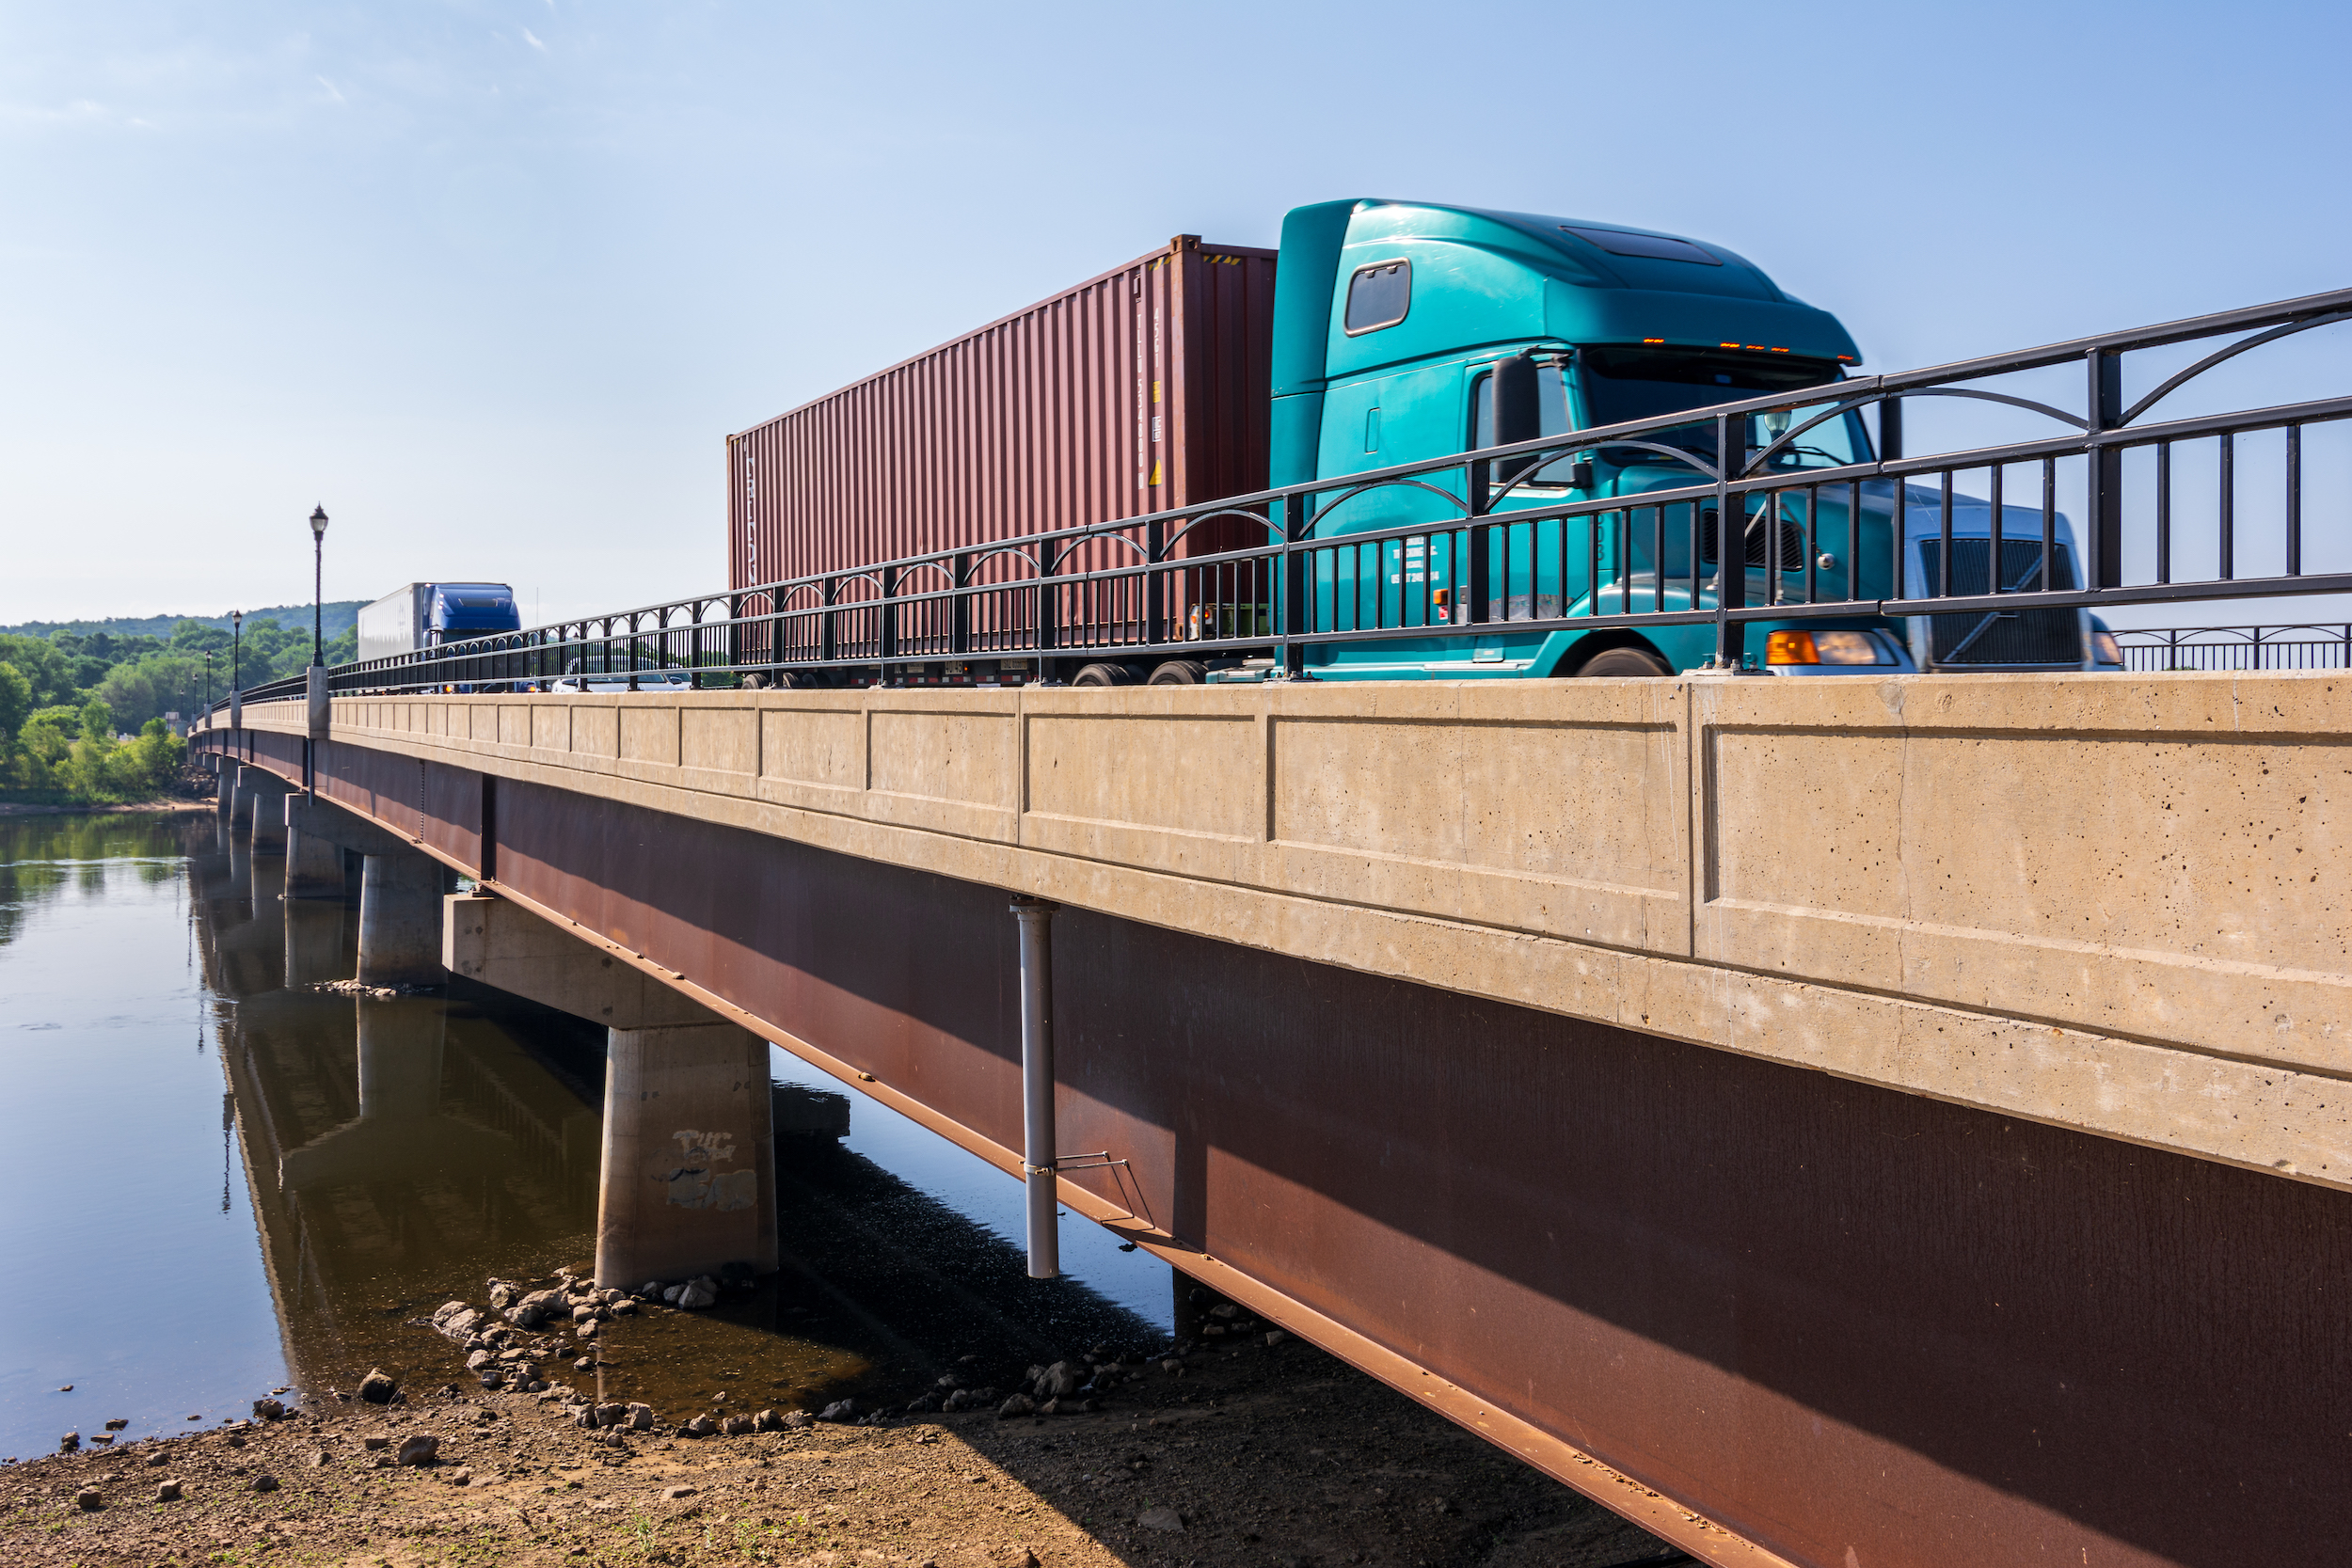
x=1410, y=331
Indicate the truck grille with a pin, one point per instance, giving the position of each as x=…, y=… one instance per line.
x=2011, y=637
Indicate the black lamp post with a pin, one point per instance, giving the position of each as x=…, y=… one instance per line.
x=208, y=683
x=318, y=580
x=236, y=671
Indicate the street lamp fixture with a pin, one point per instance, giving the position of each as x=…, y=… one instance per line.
x=236, y=647
x=318, y=581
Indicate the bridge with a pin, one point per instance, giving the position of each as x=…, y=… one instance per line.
x=1804, y=1138
x=1889, y=1119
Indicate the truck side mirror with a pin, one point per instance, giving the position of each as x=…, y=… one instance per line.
x=1518, y=412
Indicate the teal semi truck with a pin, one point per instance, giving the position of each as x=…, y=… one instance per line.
x=1407, y=331
x=1381, y=335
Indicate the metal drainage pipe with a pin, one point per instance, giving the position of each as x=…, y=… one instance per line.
x=1037, y=1084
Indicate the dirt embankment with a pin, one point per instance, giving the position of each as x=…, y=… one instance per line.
x=1256, y=1454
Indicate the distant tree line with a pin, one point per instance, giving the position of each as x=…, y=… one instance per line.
x=82, y=714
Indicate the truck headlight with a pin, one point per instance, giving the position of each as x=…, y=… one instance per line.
x=1826, y=647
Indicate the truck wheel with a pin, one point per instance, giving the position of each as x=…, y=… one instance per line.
x=1104, y=675
x=1179, y=671
x=1624, y=661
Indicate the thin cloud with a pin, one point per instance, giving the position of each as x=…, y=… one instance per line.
x=533, y=38
x=331, y=87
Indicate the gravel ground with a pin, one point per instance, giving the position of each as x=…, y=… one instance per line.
x=1258, y=1455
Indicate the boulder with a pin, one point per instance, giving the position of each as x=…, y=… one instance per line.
x=639, y=1418
x=533, y=1310
x=420, y=1449
x=266, y=1483
x=697, y=1293
x=797, y=1419
x=89, y=1500
x=168, y=1492
x=1061, y=1378
x=1019, y=1404
x=378, y=1388
x=739, y=1426
x=456, y=1321
x=1164, y=1519
x=268, y=1410
x=701, y=1426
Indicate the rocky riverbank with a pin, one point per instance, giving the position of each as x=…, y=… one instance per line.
x=1240, y=1448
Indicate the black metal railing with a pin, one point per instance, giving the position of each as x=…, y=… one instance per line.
x=1510, y=538
x=2312, y=647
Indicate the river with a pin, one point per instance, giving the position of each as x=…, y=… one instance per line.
x=222, y=1186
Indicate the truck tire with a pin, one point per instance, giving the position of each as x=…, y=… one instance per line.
x=1104, y=675
x=1179, y=671
x=1624, y=661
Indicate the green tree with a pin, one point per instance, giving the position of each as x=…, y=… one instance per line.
x=153, y=685
x=196, y=636
x=16, y=702
x=39, y=661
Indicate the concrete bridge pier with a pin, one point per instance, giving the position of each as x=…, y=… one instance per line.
x=314, y=861
x=263, y=805
x=400, y=920
x=689, y=1179
x=400, y=888
x=233, y=787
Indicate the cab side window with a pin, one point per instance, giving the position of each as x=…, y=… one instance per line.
x=1378, y=295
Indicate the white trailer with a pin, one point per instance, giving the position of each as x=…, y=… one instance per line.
x=398, y=623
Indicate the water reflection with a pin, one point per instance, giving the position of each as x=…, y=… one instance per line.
x=375, y=1156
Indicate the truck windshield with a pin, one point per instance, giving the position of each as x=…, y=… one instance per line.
x=1625, y=384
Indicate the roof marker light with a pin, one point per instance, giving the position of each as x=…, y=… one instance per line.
x=1780, y=350
x=1653, y=340
x=1726, y=345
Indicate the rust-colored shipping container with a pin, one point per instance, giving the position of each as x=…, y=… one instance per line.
x=1137, y=391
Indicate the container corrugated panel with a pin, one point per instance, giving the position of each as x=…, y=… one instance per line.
x=1136, y=391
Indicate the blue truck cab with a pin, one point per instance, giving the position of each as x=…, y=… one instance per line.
x=1404, y=331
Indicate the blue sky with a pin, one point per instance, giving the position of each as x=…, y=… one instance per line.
x=492, y=279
